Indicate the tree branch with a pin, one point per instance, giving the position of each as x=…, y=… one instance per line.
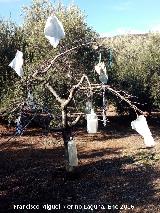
x=75, y=87
x=54, y=93
x=76, y=120
x=117, y=93
x=59, y=55
x=124, y=99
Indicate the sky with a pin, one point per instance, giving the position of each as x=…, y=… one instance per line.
x=107, y=17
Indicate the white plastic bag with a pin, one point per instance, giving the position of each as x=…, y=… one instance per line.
x=141, y=126
x=17, y=63
x=100, y=68
x=54, y=30
x=72, y=152
x=103, y=78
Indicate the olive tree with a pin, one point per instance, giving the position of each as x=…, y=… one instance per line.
x=39, y=53
x=11, y=39
x=135, y=67
x=54, y=74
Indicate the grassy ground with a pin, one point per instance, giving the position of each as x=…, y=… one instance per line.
x=115, y=173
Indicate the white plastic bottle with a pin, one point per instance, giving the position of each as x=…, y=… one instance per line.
x=92, y=122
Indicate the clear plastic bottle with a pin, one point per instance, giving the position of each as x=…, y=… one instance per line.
x=72, y=152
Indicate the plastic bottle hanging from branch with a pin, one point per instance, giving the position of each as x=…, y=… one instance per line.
x=141, y=126
x=92, y=122
x=54, y=30
x=72, y=152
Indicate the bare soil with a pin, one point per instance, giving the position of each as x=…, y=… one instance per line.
x=115, y=173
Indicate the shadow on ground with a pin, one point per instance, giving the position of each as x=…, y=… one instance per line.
x=104, y=180
x=37, y=176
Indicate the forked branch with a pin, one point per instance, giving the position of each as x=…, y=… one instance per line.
x=73, y=123
x=77, y=86
x=60, y=100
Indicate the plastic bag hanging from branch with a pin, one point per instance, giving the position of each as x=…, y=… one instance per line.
x=54, y=30
x=100, y=68
x=17, y=63
x=103, y=78
x=141, y=126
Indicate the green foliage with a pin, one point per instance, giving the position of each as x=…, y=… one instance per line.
x=76, y=30
x=136, y=66
x=135, y=60
x=38, y=52
x=67, y=69
x=11, y=39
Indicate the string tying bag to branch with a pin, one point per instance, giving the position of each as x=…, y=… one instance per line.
x=17, y=63
x=100, y=68
x=104, y=106
x=54, y=30
x=141, y=126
